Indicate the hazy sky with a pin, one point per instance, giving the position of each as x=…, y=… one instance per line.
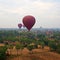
x=46, y=12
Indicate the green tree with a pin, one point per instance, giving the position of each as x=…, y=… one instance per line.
x=10, y=47
x=30, y=47
x=58, y=48
x=42, y=44
x=52, y=45
x=19, y=46
x=3, y=52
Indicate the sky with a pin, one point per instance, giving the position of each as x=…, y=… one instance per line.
x=46, y=13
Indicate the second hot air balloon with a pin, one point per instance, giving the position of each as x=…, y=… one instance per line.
x=19, y=25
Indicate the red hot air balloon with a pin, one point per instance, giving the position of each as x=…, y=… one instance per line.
x=20, y=25
x=29, y=21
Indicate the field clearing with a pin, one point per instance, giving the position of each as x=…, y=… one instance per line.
x=38, y=54
x=1, y=44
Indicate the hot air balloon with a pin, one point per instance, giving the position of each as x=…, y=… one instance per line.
x=29, y=21
x=20, y=25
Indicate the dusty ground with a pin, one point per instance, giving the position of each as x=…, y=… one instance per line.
x=1, y=44
x=38, y=54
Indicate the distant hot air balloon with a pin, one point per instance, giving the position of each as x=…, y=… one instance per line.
x=29, y=21
x=20, y=25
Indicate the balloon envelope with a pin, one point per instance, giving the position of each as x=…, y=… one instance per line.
x=20, y=25
x=28, y=21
